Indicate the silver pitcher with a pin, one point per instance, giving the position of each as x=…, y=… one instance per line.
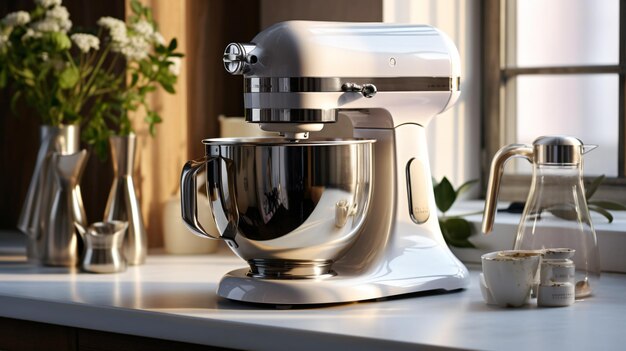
x=64, y=139
x=58, y=243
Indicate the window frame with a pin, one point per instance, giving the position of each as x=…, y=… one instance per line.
x=497, y=113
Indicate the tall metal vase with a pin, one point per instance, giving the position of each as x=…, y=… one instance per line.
x=59, y=243
x=123, y=204
x=65, y=140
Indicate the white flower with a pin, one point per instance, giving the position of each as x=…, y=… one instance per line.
x=117, y=30
x=61, y=16
x=56, y=20
x=59, y=13
x=44, y=56
x=48, y=3
x=46, y=25
x=135, y=49
x=158, y=38
x=144, y=29
x=16, y=19
x=66, y=26
x=86, y=42
x=174, y=67
x=30, y=34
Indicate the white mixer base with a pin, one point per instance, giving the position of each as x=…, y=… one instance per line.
x=236, y=285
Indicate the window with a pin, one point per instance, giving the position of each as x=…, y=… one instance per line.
x=556, y=67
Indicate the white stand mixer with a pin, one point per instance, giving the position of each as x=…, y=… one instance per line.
x=358, y=80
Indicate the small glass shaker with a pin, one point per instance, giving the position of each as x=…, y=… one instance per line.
x=103, y=246
x=557, y=277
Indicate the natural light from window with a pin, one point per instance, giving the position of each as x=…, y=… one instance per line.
x=567, y=33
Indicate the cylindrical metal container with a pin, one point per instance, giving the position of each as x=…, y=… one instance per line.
x=290, y=209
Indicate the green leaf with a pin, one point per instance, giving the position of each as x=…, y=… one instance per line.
x=145, y=67
x=593, y=187
x=136, y=7
x=173, y=45
x=602, y=211
x=135, y=78
x=456, y=231
x=68, y=77
x=608, y=205
x=149, y=16
x=170, y=89
x=465, y=187
x=27, y=77
x=38, y=12
x=444, y=195
x=563, y=211
x=60, y=41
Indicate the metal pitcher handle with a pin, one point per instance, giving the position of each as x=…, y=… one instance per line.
x=189, y=199
x=495, y=176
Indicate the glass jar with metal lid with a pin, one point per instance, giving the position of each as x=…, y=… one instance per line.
x=556, y=213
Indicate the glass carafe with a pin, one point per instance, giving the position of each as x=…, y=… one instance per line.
x=556, y=213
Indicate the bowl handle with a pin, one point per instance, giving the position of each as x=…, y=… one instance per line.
x=188, y=196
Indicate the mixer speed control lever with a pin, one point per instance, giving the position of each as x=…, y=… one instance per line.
x=367, y=90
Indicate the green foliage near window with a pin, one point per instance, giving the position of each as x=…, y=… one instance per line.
x=456, y=230
x=602, y=207
x=69, y=77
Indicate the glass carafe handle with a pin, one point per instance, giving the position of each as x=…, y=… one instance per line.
x=495, y=176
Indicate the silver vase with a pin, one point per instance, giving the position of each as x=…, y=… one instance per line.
x=123, y=204
x=63, y=139
x=59, y=242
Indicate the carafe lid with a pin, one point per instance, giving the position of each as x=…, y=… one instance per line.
x=558, y=150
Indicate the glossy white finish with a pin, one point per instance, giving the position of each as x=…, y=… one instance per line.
x=392, y=255
x=356, y=50
x=414, y=257
x=292, y=49
x=173, y=298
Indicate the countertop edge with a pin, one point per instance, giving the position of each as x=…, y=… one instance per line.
x=195, y=330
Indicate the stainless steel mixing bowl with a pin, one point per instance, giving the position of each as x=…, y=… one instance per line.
x=290, y=209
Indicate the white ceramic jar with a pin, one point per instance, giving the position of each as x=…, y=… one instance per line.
x=557, y=277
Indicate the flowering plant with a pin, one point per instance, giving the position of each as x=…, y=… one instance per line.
x=150, y=62
x=36, y=56
x=76, y=77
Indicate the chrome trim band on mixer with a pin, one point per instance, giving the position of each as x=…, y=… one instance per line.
x=285, y=115
x=289, y=269
x=319, y=85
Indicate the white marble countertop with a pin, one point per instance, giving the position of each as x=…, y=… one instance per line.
x=173, y=297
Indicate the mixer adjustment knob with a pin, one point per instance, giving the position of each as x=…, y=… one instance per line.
x=367, y=90
x=238, y=58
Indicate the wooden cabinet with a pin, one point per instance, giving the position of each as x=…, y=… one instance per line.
x=20, y=335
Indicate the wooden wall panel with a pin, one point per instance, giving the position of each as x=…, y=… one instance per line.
x=213, y=91
x=273, y=11
x=160, y=156
x=204, y=91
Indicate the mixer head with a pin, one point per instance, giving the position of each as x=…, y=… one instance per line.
x=299, y=74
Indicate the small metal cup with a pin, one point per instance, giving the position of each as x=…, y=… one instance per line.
x=103, y=246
